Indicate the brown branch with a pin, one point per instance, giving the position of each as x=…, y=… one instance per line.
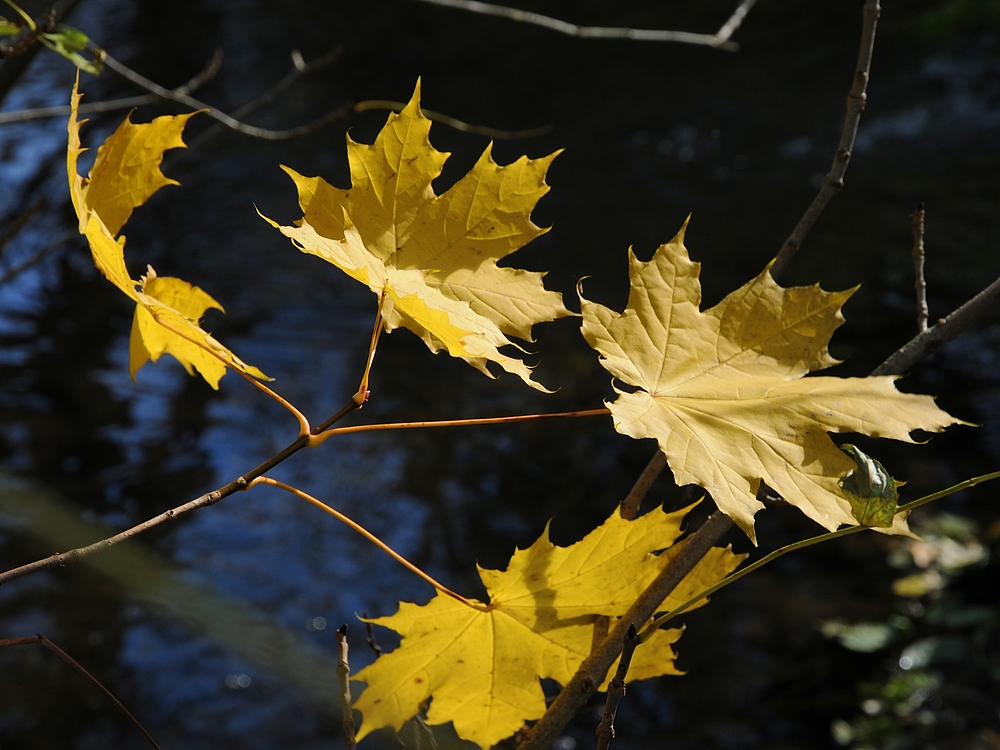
x=130, y=102
x=73, y=664
x=370, y=636
x=630, y=505
x=616, y=690
x=344, y=673
x=299, y=68
x=595, y=667
x=719, y=40
x=941, y=333
x=834, y=181
x=919, y=284
x=211, y=498
x=341, y=113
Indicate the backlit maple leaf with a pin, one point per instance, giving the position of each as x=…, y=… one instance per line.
x=434, y=257
x=168, y=311
x=723, y=392
x=481, y=668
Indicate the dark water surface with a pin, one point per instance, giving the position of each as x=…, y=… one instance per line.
x=218, y=631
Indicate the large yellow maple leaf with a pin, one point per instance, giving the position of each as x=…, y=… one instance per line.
x=481, y=667
x=168, y=310
x=434, y=257
x=723, y=392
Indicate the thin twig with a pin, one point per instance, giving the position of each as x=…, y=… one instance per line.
x=940, y=333
x=73, y=664
x=331, y=117
x=324, y=436
x=616, y=690
x=719, y=40
x=370, y=636
x=371, y=538
x=37, y=257
x=595, y=667
x=919, y=284
x=452, y=122
x=299, y=68
x=211, y=498
x=630, y=505
x=834, y=180
x=648, y=631
x=344, y=673
x=130, y=102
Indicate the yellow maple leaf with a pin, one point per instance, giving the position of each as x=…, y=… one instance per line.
x=482, y=666
x=723, y=392
x=434, y=257
x=168, y=311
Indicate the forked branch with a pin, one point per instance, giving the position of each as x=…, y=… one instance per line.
x=719, y=40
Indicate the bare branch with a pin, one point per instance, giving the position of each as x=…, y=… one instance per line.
x=616, y=690
x=595, y=667
x=342, y=112
x=130, y=102
x=630, y=505
x=919, y=284
x=73, y=664
x=370, y=636
x=344, y=673
x=719, y=40
x=37, y=257
x=834, y=181
x=941, y=333
x=299, y=68
x=210, y=498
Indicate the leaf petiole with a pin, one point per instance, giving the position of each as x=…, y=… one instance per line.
x=371, y=538
x=322, y=437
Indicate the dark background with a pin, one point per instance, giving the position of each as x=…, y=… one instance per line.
x=218, y=631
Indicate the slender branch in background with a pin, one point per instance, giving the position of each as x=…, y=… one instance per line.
x=919, y=284
x=940, y=333
x=299, y=68
x=719, y=40
x=451, y=121
x=733, y=577
x=630, y=505
x=37, y=257
x=344, y=673
x=370, y=537
x=834, y=181
x=211, y=498
x=370, y=636
x=10, y=231
x=323, y=437
x=342, y=112
x=73, y=664
x=130, y=102
x=595, y=667
x=616, y=690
